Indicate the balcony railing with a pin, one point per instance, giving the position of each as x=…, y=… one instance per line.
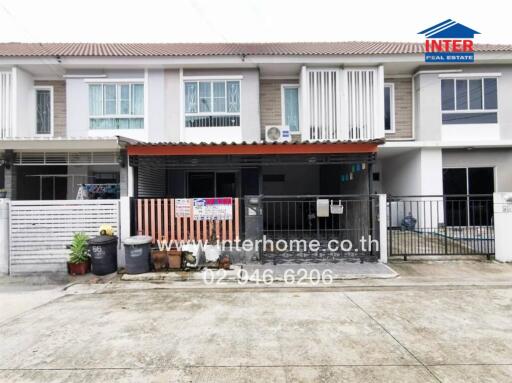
x=342, y=104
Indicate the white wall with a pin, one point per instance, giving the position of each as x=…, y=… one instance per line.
x=415, y=172
x=77, y=100
x=24, y=104
x=428, y=108
x=249, y=108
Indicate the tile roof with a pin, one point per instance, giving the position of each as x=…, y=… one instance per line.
x=220, y=49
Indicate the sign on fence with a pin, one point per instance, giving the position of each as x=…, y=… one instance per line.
x=213, y=209
x=182, y=207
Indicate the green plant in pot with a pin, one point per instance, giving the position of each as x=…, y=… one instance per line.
x=79, y=261
x=3, y=193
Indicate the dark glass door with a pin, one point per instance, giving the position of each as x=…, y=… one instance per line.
x=468, y=196
x=201, y=185
x=455, y=188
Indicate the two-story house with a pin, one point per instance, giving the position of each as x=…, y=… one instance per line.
x=215, y=120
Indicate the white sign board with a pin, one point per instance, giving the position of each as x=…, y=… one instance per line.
x=182, y=207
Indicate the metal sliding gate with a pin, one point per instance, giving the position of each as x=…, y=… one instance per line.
x=320, y=228
x=441, y=225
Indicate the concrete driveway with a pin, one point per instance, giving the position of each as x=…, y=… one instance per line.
x=419, y=334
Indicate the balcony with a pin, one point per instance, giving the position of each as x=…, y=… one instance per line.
x=342, y=104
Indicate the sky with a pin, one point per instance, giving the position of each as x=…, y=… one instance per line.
x=244, y=20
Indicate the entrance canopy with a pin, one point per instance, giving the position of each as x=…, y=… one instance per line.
x=183, y=155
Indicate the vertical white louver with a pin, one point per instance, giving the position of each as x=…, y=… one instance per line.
x=323, y=104
x=342, y=104
x=5, y=104
x=360, y=85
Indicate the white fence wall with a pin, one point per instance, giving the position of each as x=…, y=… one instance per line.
x=39, y=231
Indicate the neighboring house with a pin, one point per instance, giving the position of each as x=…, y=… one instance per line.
x=363, y=117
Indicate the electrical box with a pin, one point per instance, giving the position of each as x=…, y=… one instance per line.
x=322, y=208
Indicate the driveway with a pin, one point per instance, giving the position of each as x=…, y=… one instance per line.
x=419, y=334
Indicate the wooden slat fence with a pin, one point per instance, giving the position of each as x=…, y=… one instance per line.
x=39, y=231
x=155, y=217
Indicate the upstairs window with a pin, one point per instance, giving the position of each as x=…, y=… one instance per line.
x=212, y=103
x=469, y=101
x=290, y=106
x=44, y=110
x=116, y=106
x=389, y=108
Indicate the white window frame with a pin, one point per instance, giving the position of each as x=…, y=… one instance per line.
x=283, y=116
x=391, y=86
x=467, y=78
x=50, y=88
x=211, y=80
x=117, y=84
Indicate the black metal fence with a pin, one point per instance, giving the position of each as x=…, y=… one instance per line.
x=440, y=225
x=343, y=233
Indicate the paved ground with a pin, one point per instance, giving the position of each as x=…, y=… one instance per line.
x=416, y=328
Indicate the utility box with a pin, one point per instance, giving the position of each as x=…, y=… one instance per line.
x=322, y=208
x=253, y=212
x=253, y=217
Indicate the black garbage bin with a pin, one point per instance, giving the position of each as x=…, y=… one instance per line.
x=137, y=254
x=103, y=251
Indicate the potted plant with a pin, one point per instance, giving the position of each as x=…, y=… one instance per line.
x=3, y=193
x=79, y=261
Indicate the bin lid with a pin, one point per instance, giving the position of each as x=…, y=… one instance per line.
x=102, y=240
x=138, y=240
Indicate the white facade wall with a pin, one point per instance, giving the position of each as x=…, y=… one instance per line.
x=24, y=108
x=428, y=114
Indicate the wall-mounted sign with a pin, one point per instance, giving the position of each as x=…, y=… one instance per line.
x=213, y=209
x=182, y=207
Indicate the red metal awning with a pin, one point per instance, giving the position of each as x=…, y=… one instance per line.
x=255, y=148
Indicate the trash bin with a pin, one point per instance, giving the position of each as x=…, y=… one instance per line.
x=136, y=250
x=103, y=251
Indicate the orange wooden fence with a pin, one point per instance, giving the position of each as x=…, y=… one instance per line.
x=156, y=218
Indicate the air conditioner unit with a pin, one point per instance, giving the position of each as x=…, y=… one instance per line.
x=276, y=133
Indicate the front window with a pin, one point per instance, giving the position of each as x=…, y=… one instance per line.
x=290, y=105
x=469, y=101
x=389, y=108
x=212, y=103
x=44, y=110
x=116, y=106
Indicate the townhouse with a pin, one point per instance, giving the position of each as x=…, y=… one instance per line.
x=232, y=120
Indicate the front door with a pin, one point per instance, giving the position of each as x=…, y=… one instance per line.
x=468, y=196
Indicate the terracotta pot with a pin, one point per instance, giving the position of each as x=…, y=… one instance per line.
x=159, y=259
x=224, y=263
x=174, y=259
x=79, y=268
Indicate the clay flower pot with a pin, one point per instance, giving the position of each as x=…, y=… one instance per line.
x=79, y=268
x=174, y=259
x=159, y=259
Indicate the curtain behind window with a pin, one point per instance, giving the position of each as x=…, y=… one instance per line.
x=291, y=108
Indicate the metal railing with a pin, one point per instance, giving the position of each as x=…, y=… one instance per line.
x=459, y=224
x=350, y=218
